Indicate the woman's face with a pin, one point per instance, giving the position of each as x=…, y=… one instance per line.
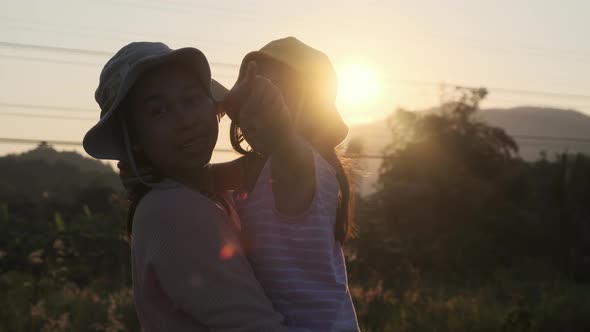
x=174, y=119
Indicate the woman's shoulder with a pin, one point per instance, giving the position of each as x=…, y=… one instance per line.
x=177, y=195
x=179, y=214
x=178, y=202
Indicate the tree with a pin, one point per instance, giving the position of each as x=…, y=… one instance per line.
x=438, y=181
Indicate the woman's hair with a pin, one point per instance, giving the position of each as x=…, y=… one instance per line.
x=135, y=188
x=135, y=193
x=343, y=228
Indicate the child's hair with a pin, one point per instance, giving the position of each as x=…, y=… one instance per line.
x=343, y=228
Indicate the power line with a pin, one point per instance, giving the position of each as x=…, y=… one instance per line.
x=189, y=7
x=539, y=93
x=78, y=144
x=87, y=110
x=490, y=88
x=44, y=116
x=582, y=140
x=97, y=65
x=75, y=143
x=524, y=102
x=552, y=138
x=85, y=31
x=56, y=61
x=34, y=141
x=233, y=65
x=85, y=51
x=517, y=136
x=410, y=82
x=60, y=142
x=59, y=108
x=368, y=156
x=55, y=48
x=48, y=107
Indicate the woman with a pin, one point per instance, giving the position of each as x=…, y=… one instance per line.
x=189, y=272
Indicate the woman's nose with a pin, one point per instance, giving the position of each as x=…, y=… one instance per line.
x=186, y=116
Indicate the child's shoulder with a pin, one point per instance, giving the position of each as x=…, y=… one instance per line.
x=324, y=161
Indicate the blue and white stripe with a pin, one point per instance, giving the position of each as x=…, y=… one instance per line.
x=297, y=259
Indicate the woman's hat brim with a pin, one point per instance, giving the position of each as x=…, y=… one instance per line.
x=104, y=140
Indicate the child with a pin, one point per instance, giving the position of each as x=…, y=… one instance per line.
x=294, y=197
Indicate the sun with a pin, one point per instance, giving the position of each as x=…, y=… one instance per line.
x=358, y=85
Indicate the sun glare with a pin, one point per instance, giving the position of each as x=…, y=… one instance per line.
x=357, y=85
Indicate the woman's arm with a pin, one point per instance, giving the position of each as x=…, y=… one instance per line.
x=200, y=265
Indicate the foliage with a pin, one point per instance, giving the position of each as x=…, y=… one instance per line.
x=460, y=235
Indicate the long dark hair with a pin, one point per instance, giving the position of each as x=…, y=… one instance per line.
x=135, y=194
x=343, y=229
x=136, y=189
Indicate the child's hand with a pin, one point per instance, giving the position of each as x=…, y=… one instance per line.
x=262, y=113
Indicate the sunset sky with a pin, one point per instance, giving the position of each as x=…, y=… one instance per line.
x=388, y=54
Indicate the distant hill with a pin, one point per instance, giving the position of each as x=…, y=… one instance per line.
x=554, y=128
x=48, y=154
x=44, y=172
x=535, y=129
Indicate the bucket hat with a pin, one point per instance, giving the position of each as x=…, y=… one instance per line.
x=105, y=140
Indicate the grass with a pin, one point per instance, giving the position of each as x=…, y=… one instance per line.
x=504, y=304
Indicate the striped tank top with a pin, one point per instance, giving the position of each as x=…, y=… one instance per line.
x=296, y=259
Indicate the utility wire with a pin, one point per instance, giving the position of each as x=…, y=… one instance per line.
x=48, y=107
x=234, y=65
x=60, y=142
x=84, y=51
x=45, y=116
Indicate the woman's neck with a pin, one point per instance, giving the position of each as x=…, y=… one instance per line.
x=194, y=178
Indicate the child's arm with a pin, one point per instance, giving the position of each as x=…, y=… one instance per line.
x=265, y=121
x=293, y=173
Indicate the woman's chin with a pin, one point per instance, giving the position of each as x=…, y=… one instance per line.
x=187, y=163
